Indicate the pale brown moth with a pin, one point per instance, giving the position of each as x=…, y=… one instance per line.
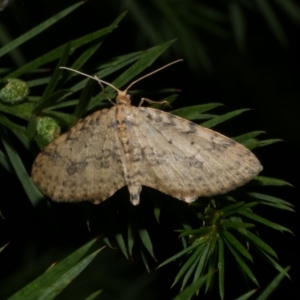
x=135, y=146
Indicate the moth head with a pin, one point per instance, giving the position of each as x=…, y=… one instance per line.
x=123, y=98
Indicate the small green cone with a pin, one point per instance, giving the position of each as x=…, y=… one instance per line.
x=13, y=91
x=47, y=129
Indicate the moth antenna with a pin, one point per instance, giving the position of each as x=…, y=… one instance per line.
x=149, y=74
x=92, y=77
x=130, y=85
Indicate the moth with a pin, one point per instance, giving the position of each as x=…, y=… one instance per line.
x=140, y=146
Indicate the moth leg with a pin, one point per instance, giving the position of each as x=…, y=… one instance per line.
x=102, y=87
x=153, y=102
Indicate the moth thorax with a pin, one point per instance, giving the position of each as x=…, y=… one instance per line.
x=123, y=99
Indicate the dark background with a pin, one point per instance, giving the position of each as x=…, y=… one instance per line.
x=261, y=74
